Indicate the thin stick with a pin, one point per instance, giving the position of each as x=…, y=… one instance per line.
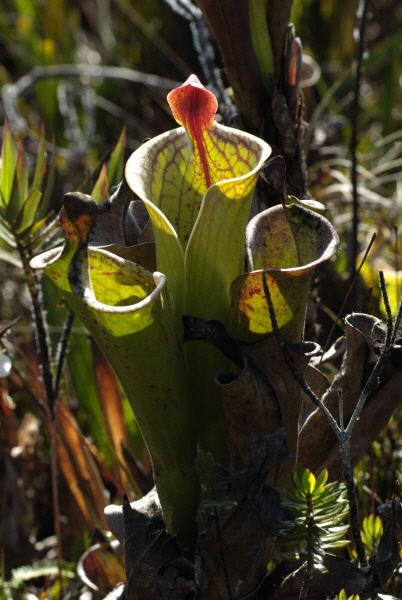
x=224, y=566
x=347, y=470
x=387, y=305
x=349, y=291
x=56, y=502
x=372, y=382
x=290, y=363
x=42, y=338
x=398, y=323
x=9, y=326
x=340, y=409
x=43, y=345
x=396, y=262
x=62, y=351
x=362, y=12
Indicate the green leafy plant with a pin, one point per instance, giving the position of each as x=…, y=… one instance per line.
x=319, y=513
x=344, y=596
x=23, y=200
x=371, y=533
x=27, y=574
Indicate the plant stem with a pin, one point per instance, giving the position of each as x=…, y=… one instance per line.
x=290, y=363
x=373, y=381
x=348, y=293
x=43, y=345
x=347, y=470
x=62, y=351
x=304, y=592
x=56, y=501
x=362, y=12
x=41, y=336
x=224, y=566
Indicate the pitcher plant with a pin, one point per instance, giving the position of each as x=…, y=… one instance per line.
x=196, y=183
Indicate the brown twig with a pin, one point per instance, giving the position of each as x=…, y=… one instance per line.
x=290, y=363
x=373, y=380
x=41, y=334
x=396, y=262
x=348, y=293
x=222, y=550
x=62, y=351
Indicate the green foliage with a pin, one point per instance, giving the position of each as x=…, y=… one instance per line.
x=378, y=472
x=111, y=172
x=29, y=574
x=371, y=533
x=319, y=511
x=343, y=596
x=23, y=203
x=261, y=39
x=116, y=162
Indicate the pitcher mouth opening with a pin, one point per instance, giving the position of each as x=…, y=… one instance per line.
x=327, y=242
x=50, y=257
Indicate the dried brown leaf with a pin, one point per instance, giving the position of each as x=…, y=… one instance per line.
x=318, y=447
x=232, y=33
x=112, y=407
x=79, y=469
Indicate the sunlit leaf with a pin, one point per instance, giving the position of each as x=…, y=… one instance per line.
x=116, y=161
x=5, y=233
x=80, y=363
x=41, y=568
x=393, y=281
x=317, y=525
x=308, y=481
x=10, y=257
x=41, y=226
x=371, y=532
x=20, y=185
x=40, y=165
x=112, y=408
x=100, y=191
x=49, y=187
x=321, y=481
x=7, y=166
x=29, y=210
x=79, y=469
